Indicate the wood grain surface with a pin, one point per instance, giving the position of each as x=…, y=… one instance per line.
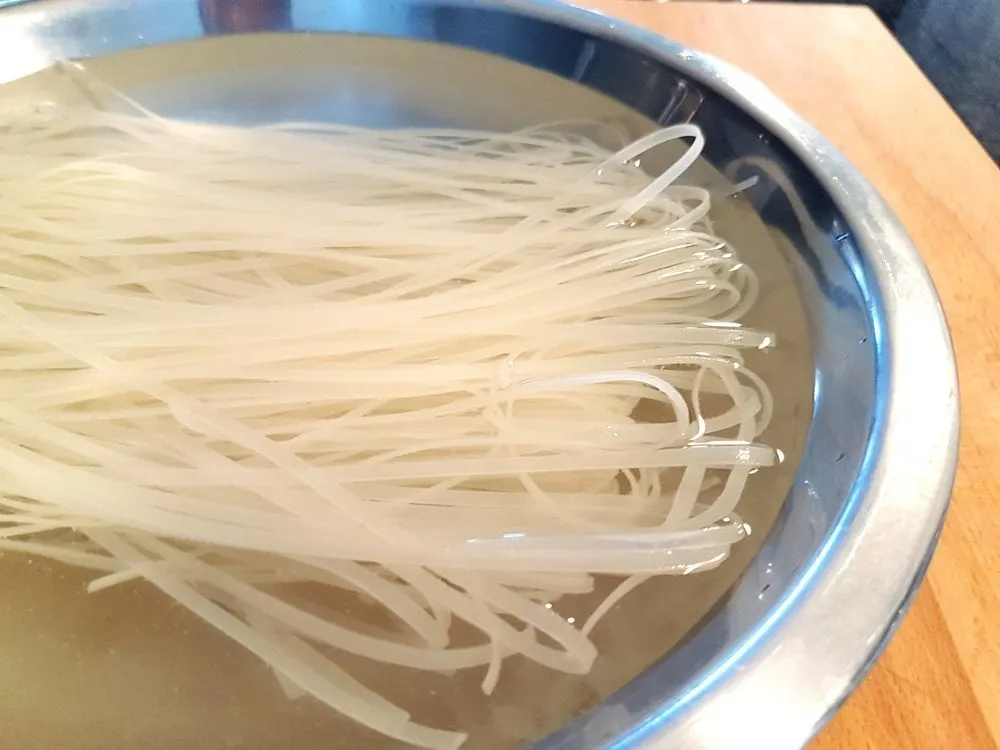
x=937, y=686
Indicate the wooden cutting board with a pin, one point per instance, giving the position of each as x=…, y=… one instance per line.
x=937, y=687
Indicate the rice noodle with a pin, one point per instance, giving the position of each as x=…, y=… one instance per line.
x=403, y=366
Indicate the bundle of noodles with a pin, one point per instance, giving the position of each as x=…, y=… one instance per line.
x=408, y=366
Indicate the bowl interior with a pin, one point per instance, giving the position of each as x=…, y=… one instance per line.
x=381, y=70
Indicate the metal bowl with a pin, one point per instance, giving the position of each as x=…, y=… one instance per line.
x=823, y=595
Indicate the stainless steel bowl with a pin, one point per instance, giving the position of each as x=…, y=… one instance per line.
x=836, y=573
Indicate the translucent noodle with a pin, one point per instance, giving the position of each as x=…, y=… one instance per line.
x=451, y=375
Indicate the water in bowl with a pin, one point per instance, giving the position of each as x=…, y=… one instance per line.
x=127, y=669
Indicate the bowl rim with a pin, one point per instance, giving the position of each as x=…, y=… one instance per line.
x=837, y=617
